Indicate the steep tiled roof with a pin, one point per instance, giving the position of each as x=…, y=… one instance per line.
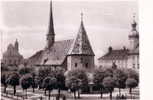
x=115, y=54
x=36, y=58
x=53, y=56
x=57, y=54
x=81, y=44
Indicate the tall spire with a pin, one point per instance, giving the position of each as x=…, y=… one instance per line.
x=51, y=24
x=51, y=33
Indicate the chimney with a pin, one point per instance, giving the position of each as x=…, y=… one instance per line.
x=110, y=49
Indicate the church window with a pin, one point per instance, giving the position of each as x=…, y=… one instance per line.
x=76, y=64
x=86, y=65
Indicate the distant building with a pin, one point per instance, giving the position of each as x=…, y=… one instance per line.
x=69, y=54
x=124, y=58
x=12, y=57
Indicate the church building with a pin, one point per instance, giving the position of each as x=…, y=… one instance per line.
x=68, y=54
x=12, y=57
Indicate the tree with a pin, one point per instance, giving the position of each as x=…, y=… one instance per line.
x=109, y=72
x=42, y=74
x=120, y=78
x=98, y=76
x=25, y=70
x=59, y=74
x=131, y=83
x=34, y=83
x=132, y=74
x=4, y=68
x=109, y=84
x=26, y=82
x=72, y=83
x=13, y=80
x=49, y=83
x=77, y=78
x=4, y=77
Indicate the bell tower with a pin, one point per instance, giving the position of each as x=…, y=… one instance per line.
x=50, y=35
x=134, y=36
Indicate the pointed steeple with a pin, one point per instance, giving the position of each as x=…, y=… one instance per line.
x=51, y=33
x=81, y=44
x=51, y=24
x=16, y=45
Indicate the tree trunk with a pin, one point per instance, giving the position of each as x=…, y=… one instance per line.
x=78, y=93
x=14, y=89
x=49, y=94
x=101, y=93
x=119, y=91
x=59, y=92
x=4, y=89
x=45, y=92
x=74, y=94
x=33, y=90
x=110, y=95
x=130, y=91
x=26, y=94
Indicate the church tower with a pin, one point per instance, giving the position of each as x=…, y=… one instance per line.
x=81, y=54
x=16, y=45
x=134, y=36
x=50, y=35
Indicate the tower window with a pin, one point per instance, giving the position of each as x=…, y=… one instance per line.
x=86, y=65
x=76, y=64
x=133, y=65
x=138, y=66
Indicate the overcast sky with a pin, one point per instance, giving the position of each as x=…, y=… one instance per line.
x=108, y=23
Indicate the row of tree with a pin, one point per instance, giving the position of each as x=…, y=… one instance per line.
x=109, y=78
x=74, y=80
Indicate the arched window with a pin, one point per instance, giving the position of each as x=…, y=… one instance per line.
x=76, y=64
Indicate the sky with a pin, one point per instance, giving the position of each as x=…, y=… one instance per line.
x=108, y=23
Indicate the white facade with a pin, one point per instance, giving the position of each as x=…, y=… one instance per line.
x=121, y=57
